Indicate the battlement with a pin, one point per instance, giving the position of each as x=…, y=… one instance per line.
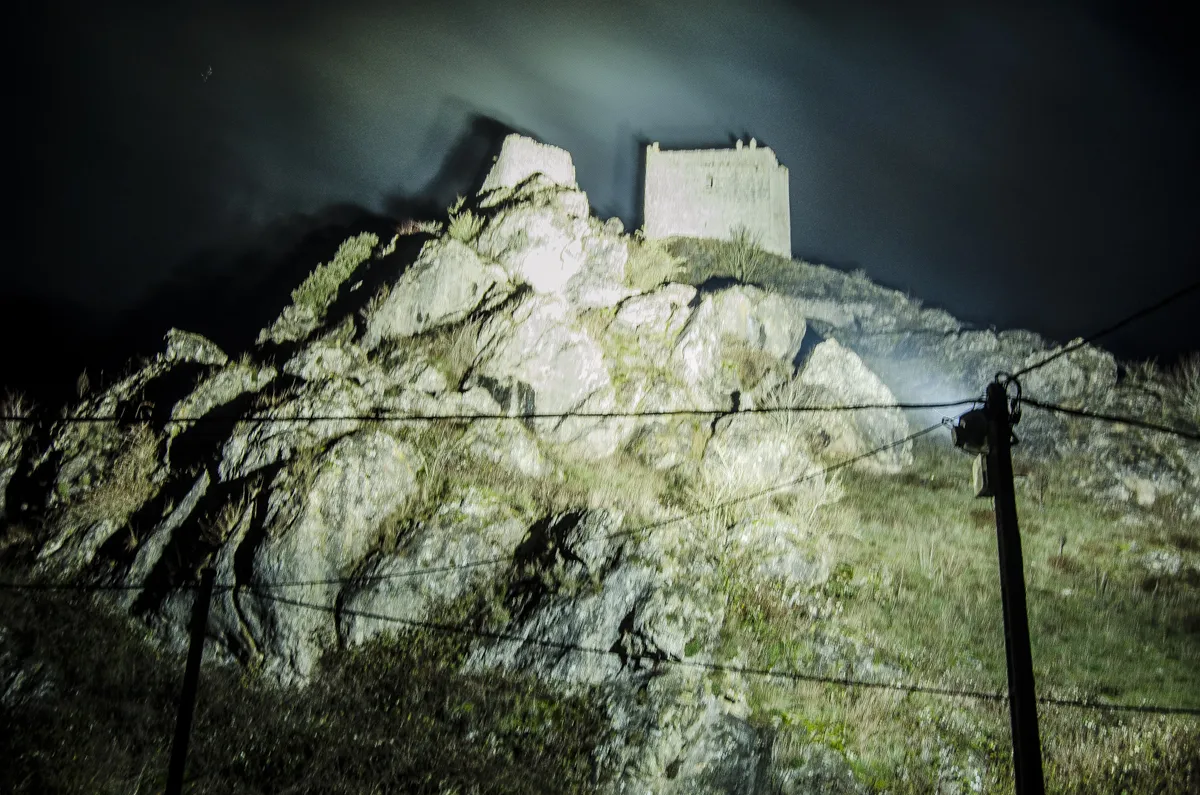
x=711, y=192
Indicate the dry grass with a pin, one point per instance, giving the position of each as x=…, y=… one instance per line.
x=125, y=486
x=464, y=225
x=320, y=288
x=453, y=349
x=748, y=364
x=1177, y=387
x=96, y=709
x=217, y=531
x=650, y=264
x=15, y=410
x=371, y=308
x=1183, y=386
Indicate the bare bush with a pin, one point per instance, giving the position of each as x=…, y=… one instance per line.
x=1183, y=386
x=126, y=485
x=744, y=257
x=15, y=411
x=376, y=301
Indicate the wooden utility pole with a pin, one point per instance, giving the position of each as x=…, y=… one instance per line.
x=191, y=679
x=1022, y=704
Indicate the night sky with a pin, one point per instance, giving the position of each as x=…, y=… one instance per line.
x=1018, y=167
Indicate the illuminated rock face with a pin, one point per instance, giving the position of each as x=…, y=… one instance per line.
x=521, y=157
x=390, y=436
x=712, y=192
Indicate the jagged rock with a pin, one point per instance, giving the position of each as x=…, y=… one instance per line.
x=218, y=389
x=845, y=380
x=310, y=419
x=474, y=528
x=151, y=549
x=430, y=380
x=570, y=611
x=755, y=320
x=724, y=754
x=13, y=435
x=521, y=157
x=752, y=452
x=660, y=313
x=295, y=323
x=1084, y=375
x=314, y=296
x=540, y=346
x=541, y=247
x=601, y=281
x=444, y=285
x=321, y=532
x=332, y=516
x=509, y=445
x=325, y=359
x=186, y=346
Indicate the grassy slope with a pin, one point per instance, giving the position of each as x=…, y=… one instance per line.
x=916, y=580
x=391, y=716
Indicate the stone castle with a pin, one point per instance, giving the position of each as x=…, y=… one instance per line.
x=688, y=192
x=712, y=192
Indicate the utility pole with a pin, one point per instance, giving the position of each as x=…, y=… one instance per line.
x=191, y=679
x=1022, y=705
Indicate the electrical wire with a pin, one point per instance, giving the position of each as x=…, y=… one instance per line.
x=796, y=676
x=402, y=417
x=1120, y=324
x=498, y=561
x=1115, y=418
x=656, y=660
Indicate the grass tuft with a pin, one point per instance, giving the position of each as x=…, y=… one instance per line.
x=319, y=290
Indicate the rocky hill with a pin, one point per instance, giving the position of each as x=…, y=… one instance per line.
x=561, y=446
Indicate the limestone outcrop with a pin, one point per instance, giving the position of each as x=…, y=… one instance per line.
x=510, y=423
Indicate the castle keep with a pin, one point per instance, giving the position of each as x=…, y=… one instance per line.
x=711, y=192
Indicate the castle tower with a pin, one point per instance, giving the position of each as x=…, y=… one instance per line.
x=710, y=192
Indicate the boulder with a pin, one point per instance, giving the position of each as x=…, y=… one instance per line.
x=446, y=283
x=566, y=611
x=540, y=345
x=1085, y=375
x=522, y=157
x=540, y=247
x=218, y=389
x=751, y=453
x=843, y=379
x=751, y=319
x=601, y=281
x=187, y=346
x=321, y=533
x=329, y=410
x=472, y=528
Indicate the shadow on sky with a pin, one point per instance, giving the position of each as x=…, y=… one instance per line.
x=228, y=292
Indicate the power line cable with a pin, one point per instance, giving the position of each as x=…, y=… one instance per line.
x=649, y=528
x=1095, y=415
x=498, y=561
x=771, y=673
x=381, y=416
x=1120, y=324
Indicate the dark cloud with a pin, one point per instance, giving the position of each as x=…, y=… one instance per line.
x=1020, y=167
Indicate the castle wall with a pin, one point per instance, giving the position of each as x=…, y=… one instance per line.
x=709, y=192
